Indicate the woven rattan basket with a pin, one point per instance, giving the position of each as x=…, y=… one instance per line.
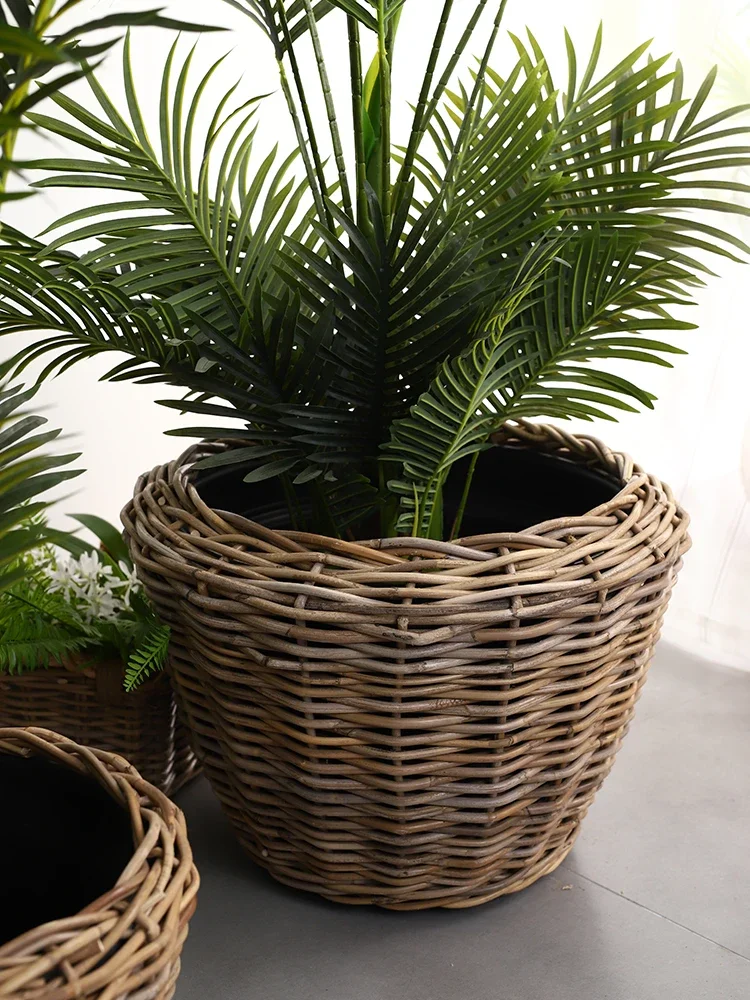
x=405, y=722
x=126, y=945
x=87, y=704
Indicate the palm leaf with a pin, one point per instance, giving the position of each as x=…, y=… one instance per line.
x=454, y=418
x=27, y=472
x=602, y=300
x=190, y=239
x=31, y=51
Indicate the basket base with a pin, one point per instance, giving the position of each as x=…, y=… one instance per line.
x=464, y=898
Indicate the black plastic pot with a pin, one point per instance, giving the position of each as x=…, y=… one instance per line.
x=64, y=842
x=513, y=488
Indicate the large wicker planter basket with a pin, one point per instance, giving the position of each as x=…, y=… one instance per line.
x=126, y=945
x=87, y=703
x=405, y=722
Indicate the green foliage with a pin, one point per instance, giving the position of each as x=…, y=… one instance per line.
x=149, y=658
x=112, y=543
x=37, y=627
x=33, y=48
x=357, y=333
x=36, y=61
x=88, y=607
x=27, y=472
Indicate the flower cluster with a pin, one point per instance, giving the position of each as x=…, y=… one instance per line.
x=93, y=587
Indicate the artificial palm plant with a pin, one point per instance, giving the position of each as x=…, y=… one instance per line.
x=363, y=322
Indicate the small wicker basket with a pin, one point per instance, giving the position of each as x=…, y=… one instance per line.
x=127, y=944
x=87, y=703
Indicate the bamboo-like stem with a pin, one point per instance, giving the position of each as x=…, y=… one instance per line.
x=419, y=126
x=313, y=177
x=475, y=102
x=455, y=58
x=333, y=124
x=310, y=157
x=385, y=119
x=458, y=519
x=355, y=64
x=42, y=16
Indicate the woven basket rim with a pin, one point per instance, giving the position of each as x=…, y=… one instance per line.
x=82, y=946
x=582, y=448
x=88, y=667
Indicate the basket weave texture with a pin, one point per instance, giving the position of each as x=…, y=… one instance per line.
x=406, y=722
x=88, y=705
x=127, y=944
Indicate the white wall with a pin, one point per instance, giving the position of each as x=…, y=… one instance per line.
x=700, y=431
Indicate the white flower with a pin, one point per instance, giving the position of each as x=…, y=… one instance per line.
x=91, y=586
x=90, y=569
x=61, y=576
x=130, y=583
x=102, y=603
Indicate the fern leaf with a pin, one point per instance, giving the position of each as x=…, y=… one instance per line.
x=149, y=657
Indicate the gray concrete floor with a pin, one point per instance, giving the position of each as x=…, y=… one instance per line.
x=653, y=903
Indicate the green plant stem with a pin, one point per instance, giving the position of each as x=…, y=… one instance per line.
x=19, y=93
x=65, y=9
x=472, y=110
x=325, y=522
x=313, y=170
x=290, y=497
x=355, y=63
x=445, y=79
x=458, y=520
x=419, y=126
x=385, y=118
x=333, y=124
x=311, y=158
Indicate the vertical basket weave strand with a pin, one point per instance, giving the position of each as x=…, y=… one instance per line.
x=406, y=722
x=127, y=944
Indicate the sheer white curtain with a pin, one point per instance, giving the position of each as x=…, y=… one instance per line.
x=697, y=439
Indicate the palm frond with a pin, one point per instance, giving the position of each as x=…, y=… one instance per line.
x=628, y=144
x=32, y=51
x=183, y=237
x=454, y=418
x=603, y=300
x=27, y=472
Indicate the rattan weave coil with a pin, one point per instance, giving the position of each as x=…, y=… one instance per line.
x=127, y=944
x=406, y=722
x=87, y=703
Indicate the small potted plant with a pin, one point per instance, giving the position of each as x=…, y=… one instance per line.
x=409, y=627
x=78, y=644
